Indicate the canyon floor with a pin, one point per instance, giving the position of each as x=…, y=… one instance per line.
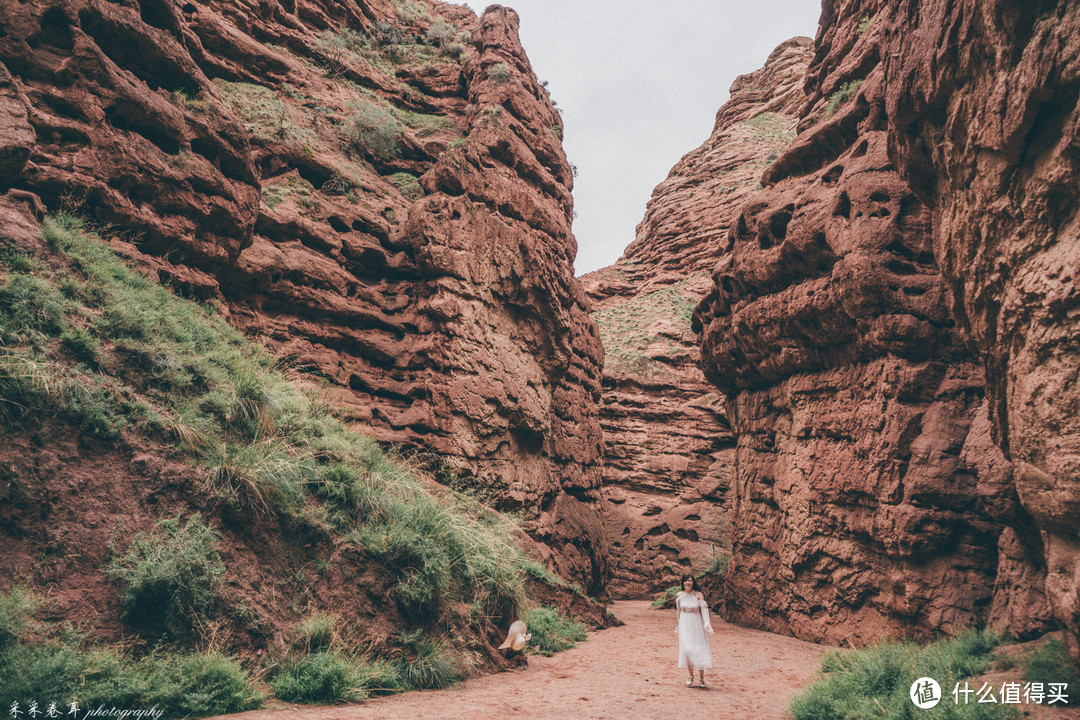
x=623, y=672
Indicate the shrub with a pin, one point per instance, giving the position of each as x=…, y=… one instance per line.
x=718, y=565
x=453, y=50
x=16, y=607
x=263, y=477
x=874, y=682
x=169, y=576
x=407, y=184
x=500, y=74
x=64, y=671
x=439, y=33
x=433, y=666
x=325, y=676
x=374, y=131
x=552, y=631
x=1050, y=662
x=663, y=598
x=838, y=98
x=316, y=632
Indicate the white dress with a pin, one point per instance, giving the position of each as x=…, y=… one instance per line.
x=694, y=621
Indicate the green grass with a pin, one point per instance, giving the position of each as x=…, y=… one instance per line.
x=841, y=95
x=64, y=670
x=265, y=115
x=316, y=632
x=552, y=631
x=169, y=577
x=407, y=184
x=663, y=598
x=374, y=130
x=325, y=676
x=428, y=664
x=873, y=683
x=718, y=565
x=500, y=74
x=624, y=327
x=1050, y=663
x=776, y=128
x=172, y=372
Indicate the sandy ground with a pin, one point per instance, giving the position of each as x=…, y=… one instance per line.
x=623, y=672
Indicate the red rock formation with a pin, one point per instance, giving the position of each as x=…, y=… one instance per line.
x=869, y=498
x=668, y=445
x=982, y=106
x=376, y=186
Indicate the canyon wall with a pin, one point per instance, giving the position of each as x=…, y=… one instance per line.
x=869, y=498
x=376, y=187
x=984, y=123
x=668, y=448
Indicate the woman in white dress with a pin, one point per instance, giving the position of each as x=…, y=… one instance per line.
x=693, y=616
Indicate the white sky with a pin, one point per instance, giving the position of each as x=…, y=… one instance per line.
x=639, y=83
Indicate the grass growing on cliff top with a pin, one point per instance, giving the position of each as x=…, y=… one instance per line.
x=625, y=327
x=873, y=683
x=87, y=341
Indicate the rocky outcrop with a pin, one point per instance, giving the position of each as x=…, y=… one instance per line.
x=376, y=187
x=667, y=444
x=869, y=498
x=982, y=109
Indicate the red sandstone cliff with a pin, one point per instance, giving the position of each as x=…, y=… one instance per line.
x=869, y=497
x=668, y=448
x=376, y=186
x=982, y=107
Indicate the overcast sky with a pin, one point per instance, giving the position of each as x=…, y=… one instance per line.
x=639, y=83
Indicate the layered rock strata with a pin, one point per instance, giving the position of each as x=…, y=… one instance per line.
x=869, y=498
x=667, y=443
x=983, y=108
x=376, y=187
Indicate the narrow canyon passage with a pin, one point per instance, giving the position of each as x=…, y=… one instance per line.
x=623, y=672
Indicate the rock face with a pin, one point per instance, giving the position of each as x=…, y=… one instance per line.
x=869, y=498
x=376, y=187
x=982, y=109
x=667, y=443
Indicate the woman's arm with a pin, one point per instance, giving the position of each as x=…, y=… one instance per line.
x=704, y=607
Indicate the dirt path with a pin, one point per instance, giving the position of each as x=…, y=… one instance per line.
x=623, y=672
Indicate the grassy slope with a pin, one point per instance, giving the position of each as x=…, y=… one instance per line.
x=87, y=342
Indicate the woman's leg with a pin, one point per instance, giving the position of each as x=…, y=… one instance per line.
x=690, y=672
x=701, y=676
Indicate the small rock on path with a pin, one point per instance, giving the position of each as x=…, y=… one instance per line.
x=619, y=673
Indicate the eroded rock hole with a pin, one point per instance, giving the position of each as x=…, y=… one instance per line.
x=778, y=223
x=118, y=117
x=338, y=224
x=900, y=267
x=832, y=174
x=843, y=206
x=55, y=31
x=158, y=14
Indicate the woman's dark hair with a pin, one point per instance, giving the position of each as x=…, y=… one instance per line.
x=692, y=579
